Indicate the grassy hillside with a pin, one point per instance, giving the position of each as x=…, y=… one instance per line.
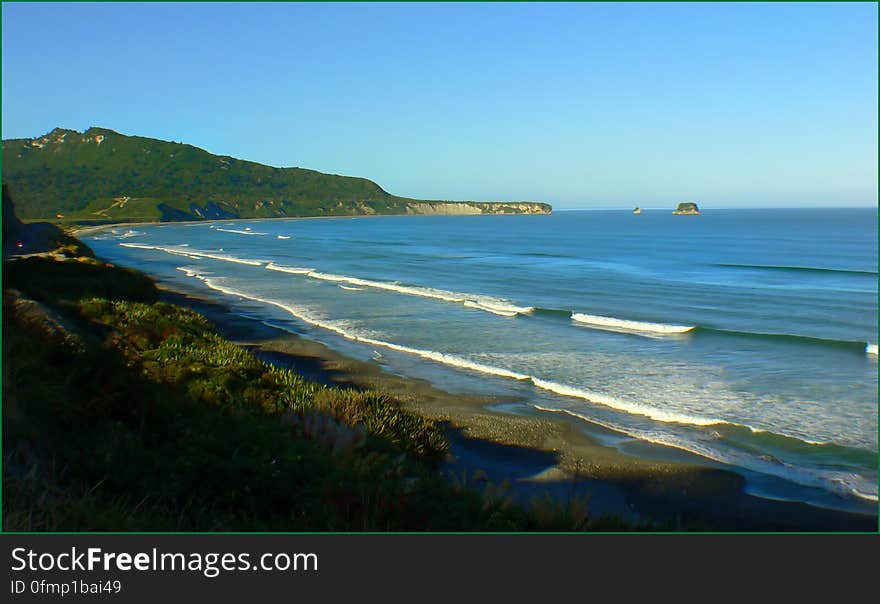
x=101, y=175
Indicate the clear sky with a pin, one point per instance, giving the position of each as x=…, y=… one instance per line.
x=580, y=105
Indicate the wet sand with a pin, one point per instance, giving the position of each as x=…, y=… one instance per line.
x=536, y=457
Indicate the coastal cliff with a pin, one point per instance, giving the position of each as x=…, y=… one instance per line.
x=100, y=176
x=687, y=208
x=448, y=208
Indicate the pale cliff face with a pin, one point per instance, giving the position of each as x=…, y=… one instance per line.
x=466, y=208
x=441, y=209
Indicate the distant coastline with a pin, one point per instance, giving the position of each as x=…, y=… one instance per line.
x=144, y=178
x=78, y=230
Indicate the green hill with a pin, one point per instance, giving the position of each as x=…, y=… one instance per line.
x=101, y=175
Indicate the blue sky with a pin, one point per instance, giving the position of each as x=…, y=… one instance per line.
x=580, y=105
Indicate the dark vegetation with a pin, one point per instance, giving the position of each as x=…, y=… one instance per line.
x=103, y=176
x=122, y=413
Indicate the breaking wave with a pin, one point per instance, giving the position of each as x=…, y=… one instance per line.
x=615, y=324
x=239, y=232
x=190, y=253
x=485, y=303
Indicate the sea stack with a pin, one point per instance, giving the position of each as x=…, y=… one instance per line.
x=686, y=208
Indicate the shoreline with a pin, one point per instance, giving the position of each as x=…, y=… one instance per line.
x=539, y=456
x=78, y=231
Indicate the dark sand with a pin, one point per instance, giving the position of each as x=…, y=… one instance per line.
x=539, y=456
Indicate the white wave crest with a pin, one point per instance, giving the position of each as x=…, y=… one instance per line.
x=484, y=303
x=613, y=324
x=504, y=310
x=190, y=253
x=626, y=406
x=283, y=236
x=188, y=271
x=247, y=231
x=294, y=270
x=115, y=234
x=871, y=349
x=350, y=288
x=869, y=496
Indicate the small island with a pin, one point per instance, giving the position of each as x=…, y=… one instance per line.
x=687, y=208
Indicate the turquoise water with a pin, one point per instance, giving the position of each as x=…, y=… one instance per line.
x=747, y=337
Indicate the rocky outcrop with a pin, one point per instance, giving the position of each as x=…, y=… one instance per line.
x=686, y=208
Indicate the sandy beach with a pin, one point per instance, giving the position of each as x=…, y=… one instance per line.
x=547, y=456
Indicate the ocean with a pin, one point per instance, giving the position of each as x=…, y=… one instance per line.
x=744, y=339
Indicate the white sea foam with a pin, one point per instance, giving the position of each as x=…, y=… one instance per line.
x=188, y=271
x=626, y=406
x=871, y=349
x=485, y=303
x=283, y=236
x=190, y=253
x=115, y=234
x=247, y=231
x=504, y=310
x=294, y=270
x=613, y=324
x=350, y=288
x=869, y=496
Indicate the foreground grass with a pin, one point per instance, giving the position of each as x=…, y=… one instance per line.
x=124, y=413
